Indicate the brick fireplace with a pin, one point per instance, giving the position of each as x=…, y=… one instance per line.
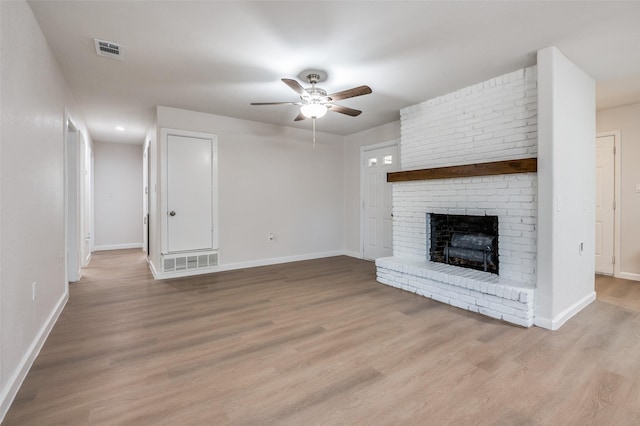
x=491, y=121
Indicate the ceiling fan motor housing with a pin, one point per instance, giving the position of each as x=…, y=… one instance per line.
x=314, y=94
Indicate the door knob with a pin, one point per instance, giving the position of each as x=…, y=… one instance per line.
x=172, y=213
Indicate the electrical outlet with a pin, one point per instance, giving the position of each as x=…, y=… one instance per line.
x=34, y=287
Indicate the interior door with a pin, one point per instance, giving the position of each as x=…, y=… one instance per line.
x=605, y=198
x=189, y=194
x=378, y=220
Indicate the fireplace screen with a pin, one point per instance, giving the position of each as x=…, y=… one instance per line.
x=466, y=241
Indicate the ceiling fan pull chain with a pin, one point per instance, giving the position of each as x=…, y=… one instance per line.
x=314, y=132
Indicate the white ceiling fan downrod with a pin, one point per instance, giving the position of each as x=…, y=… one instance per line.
x=314, y=132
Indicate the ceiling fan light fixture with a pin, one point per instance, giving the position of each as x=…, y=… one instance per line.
x=313, y=110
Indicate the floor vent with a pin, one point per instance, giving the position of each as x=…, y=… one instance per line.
x=176, y=263
x=108, y=49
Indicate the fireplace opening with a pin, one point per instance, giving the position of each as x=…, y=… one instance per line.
x=466, y=241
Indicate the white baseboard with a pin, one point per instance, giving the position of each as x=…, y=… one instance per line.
x=118, y=247
x=355, y=254
x=628, y=276
x=154, y=272
x=564, y=316
x=12, y=386
x=243, y=265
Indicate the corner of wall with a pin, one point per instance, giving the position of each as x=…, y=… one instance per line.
x=566, y=203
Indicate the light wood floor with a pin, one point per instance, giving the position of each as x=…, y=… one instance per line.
x=320, y=342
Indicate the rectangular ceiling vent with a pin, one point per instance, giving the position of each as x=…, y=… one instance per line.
x=108, y=49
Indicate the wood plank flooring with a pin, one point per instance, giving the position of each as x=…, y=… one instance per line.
x=320, y=342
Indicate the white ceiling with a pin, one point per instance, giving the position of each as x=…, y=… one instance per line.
x=217, y=57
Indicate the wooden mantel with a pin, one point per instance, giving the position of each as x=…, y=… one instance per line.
x=525, y=165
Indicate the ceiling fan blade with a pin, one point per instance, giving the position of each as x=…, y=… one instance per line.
x=275, y=103
x=295, y=86
x=351, y=93
x=344, y=110
x=299, y=117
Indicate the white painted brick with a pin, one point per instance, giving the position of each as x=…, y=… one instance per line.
x=440, y=298
x=499, y=307
x=489, y=121
x=469, y=300
x=524, y=322
x=525, y=314
x=490, y=313
x=459, y=304
x=483, y=303
x=426, y=282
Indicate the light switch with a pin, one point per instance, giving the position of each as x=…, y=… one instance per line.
x=637, y=187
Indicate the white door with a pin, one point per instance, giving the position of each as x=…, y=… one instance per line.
x=189, y=193
x=378, y=220
x=605, y=185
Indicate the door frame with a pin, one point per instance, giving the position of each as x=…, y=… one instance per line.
x=71, y=218
x=164, y=209
x=363, y=150
x=616, y=196
x=146, y=173
x=85, y=199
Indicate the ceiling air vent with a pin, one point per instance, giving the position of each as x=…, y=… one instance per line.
x=108, y=49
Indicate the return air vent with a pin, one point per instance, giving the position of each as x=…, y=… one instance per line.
x=175, y=263
x=108, y=49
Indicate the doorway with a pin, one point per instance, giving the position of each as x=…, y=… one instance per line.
x=607, y=209
x=377, y=215
x=73, y=199
x=86, y=156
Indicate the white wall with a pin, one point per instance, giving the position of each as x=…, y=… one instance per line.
x=34, y=98
x=271, y=180
x=626, y=119
x=566, y=182
x=352, y=207
x=118, y=195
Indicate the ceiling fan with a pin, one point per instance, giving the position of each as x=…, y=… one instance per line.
x=315, y=102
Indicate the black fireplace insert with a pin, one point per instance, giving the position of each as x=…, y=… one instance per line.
x=463, y=240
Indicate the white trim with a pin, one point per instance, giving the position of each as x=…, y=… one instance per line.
x=243, y=265
x=557, y=322
x=617, y=195
x=65, y=191
x=154, y=271
x=355, y=254
x=118, y=246
x=628, y=276
x=14, y=383
x=364, y=149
